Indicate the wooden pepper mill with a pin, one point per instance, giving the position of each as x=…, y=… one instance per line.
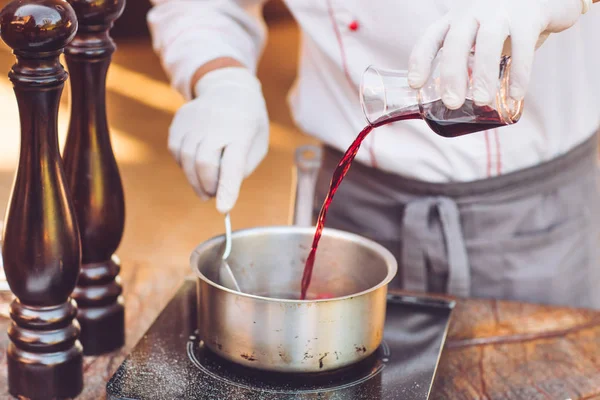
x=41, y=247
x=94, y=180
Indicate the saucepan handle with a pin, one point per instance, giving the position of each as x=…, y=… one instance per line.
x=307, y=162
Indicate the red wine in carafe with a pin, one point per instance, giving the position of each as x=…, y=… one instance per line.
x=443, y=121
x=448, y=123
x=467, y=119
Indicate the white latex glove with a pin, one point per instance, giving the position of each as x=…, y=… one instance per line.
x=487, y=24
x=221, y=136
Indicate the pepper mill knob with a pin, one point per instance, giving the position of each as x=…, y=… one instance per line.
x=41, y=248
x=38, y=25
x=97, y=12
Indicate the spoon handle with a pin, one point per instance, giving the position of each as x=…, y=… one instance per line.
x=227, y=237
x=230, y=280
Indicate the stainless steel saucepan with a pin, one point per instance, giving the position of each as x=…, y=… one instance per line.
x=266, y=326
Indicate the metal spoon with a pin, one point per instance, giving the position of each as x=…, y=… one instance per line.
x=226, y=274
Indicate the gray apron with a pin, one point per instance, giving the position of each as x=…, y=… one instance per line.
x=529, y=236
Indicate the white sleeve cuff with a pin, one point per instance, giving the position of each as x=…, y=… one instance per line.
x=183, y=62
x=228, y=76
x=189, y=33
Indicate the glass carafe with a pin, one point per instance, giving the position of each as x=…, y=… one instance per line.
x=386, y=97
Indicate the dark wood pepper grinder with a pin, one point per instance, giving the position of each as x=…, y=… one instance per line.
x=41, y=247
x=94, y=180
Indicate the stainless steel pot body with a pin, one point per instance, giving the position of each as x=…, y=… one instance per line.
x=266, y=327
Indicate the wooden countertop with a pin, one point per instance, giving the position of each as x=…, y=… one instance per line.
x=507, y=350
x=494, y=350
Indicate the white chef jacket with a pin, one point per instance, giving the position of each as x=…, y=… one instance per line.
x=340, y=38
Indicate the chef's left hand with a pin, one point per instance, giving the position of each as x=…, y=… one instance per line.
x=487, y=24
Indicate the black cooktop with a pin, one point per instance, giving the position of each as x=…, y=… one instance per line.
x=170, y=362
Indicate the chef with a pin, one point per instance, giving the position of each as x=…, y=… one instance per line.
x=508, y=213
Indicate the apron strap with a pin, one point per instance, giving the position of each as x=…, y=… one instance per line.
x=459, y=274
x=415, y=237
x=414, y=234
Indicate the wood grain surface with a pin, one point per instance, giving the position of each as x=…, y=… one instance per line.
x=495, y=350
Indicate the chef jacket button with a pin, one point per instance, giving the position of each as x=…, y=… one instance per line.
x=353, y=26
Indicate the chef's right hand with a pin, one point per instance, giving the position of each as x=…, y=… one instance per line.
x=221, y=136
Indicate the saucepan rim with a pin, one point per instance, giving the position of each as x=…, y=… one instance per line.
x=388, y=258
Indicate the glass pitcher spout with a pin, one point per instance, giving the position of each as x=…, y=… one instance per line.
x=385, y=93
